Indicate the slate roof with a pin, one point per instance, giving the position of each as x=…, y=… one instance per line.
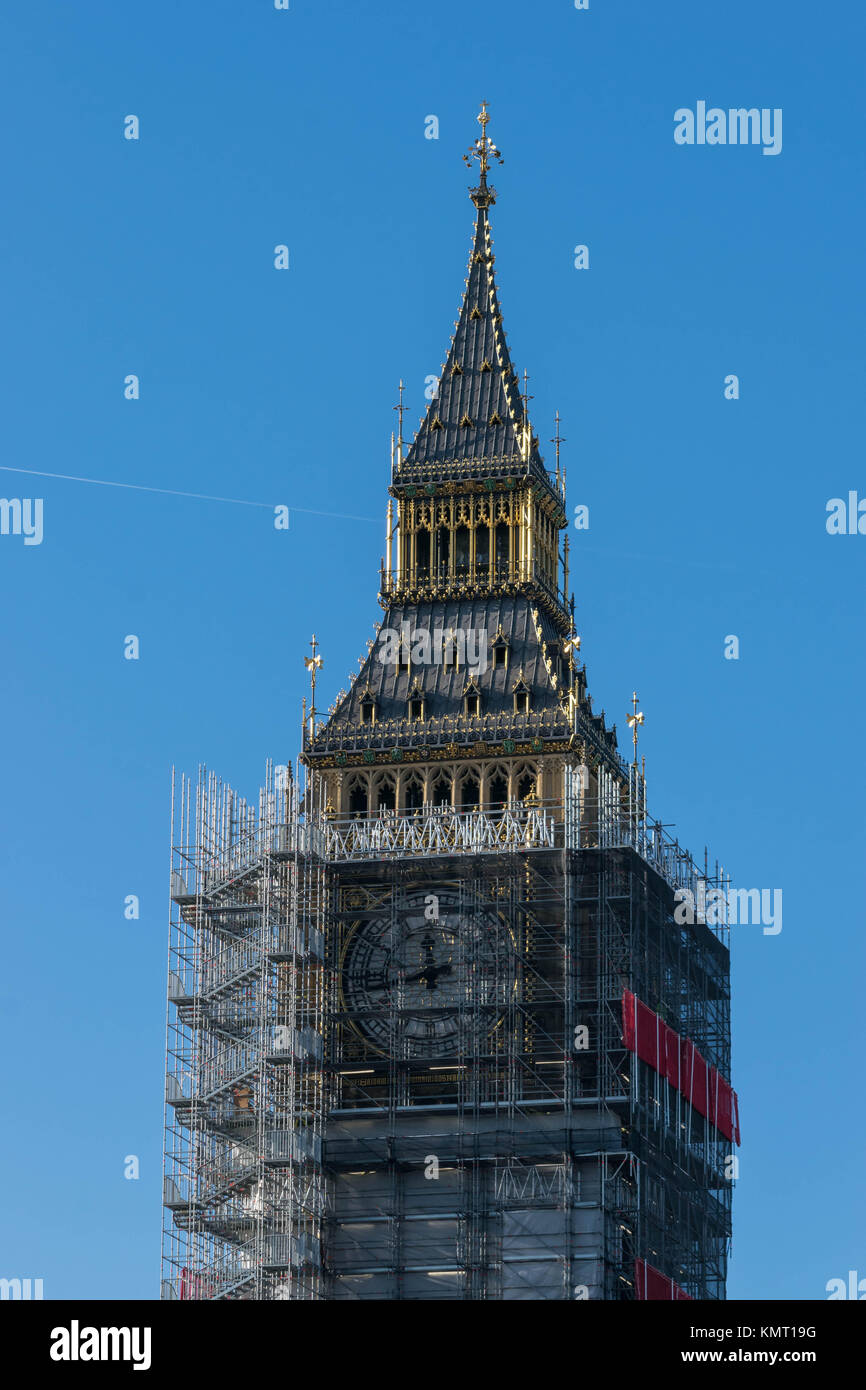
x=442, y=686
x=478, y=385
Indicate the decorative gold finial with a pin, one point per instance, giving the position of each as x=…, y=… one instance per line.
x=571, y=649
x=634, y=720
x=313, y=664
x=483, y=119
x=483, y=151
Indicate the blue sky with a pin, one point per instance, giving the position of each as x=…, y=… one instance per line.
x=707, y=516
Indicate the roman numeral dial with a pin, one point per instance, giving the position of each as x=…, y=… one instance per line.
x=419, y=979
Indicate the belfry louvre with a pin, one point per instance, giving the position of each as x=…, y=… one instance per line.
x=436, y=1029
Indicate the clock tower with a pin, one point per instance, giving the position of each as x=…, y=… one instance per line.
x=453, y=1020
x=496, y=887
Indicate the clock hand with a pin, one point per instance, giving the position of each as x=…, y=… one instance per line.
x=430, y=972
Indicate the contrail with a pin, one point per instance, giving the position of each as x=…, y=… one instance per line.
x=171, y=492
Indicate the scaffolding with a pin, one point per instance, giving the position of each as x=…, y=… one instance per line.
x=346, y=1123
x=243, y=1186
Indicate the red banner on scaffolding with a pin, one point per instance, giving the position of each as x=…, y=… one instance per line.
x=678, y=1060
x=651, y=1283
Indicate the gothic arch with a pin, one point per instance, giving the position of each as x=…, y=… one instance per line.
x=441, y=787
x=358, y=795
x=412, y=795
x=384, y=792
x=495, y=787
x=469, y=788
x=524, y=781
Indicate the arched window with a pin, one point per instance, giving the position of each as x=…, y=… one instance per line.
x=358, y=797
x=497, y=790
x=470, y=792
x=442, y=790
x=526, y=783
x=502, y=546
x=443, y=548
x=482, y=550
x=413, y=793
x=386, y=794
x=422, y=552
x=368, y=709
x=461, y=549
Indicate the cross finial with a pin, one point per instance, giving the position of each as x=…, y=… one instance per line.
x=634, y=720
x=313, y=664
x=314, y=661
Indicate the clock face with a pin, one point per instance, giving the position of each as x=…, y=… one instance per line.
x=423, y=981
